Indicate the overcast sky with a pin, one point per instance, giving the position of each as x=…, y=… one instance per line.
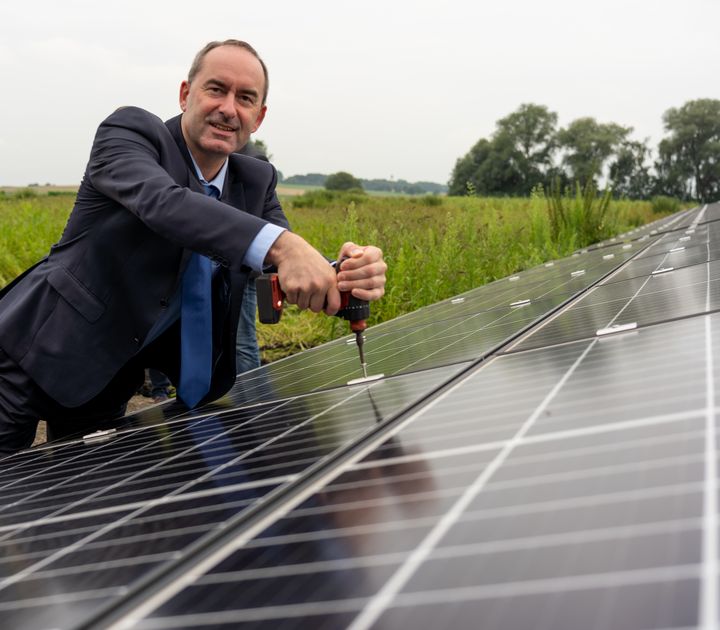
x=378, y=88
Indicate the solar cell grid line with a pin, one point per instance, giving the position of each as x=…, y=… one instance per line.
x=658, y=297
x=678, y=221
x=26, y=465
x=85, y=562
x=377, y=606
x=129, y=450
x=675, y=257
x=70, y=509
x=682, y=219
x=683, y=250
x=674, y=222
x=646, y=500
x=689, y=220
x=559, y=279
x=709, y=593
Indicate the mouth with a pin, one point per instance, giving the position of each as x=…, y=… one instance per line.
x=223, y=128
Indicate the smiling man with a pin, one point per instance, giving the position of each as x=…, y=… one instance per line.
x=152, y=265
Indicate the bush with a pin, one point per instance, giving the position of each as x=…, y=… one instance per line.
x=342, y=181
x=326, y=198
x=664, y=205
x=25, y=193
x=431, y=200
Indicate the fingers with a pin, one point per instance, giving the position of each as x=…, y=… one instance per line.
x=363, y=273
x=305, y=276
x=332, y=301
x=311, y=283
x=350, y=250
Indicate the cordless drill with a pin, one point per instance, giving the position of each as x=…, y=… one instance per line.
x=270, y=300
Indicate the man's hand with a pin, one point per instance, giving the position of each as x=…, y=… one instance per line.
x=363, y=273
x=310, y=282
x=305, y=276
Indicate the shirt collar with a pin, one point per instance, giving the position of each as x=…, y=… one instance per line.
x=218, y=181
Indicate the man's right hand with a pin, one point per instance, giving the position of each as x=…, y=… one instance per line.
x=306, y=277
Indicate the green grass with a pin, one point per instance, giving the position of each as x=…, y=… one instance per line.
x=29, y=224
x=435, y=247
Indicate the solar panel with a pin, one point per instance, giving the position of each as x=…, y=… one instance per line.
x=471, y=513
x=514, y=469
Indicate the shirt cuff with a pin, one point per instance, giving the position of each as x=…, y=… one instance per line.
x=256, y=253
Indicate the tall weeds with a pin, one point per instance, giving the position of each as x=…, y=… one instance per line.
x=581, y=218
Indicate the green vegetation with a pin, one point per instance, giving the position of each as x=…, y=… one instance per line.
x=582, y=218
x=436, y=247
x=29, y=224
x=664, y=205
x=527, y=149
x=387, y=186
x=342, y=181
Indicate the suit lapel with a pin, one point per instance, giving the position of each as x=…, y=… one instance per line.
x=233, y=191
x=192, y=182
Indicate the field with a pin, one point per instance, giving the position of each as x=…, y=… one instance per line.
x=436, y=247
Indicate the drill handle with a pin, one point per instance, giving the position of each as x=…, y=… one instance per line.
x=270, y=298
x=270, y=301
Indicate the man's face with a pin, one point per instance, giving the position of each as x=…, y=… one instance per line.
x=223, y=104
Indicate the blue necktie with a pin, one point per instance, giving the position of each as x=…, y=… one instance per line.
x=196, y=326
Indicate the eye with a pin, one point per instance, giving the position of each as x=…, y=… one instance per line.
x=247, y=99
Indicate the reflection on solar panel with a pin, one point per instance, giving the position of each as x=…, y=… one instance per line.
x=542, y=453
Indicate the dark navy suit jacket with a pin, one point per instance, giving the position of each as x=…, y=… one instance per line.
x=77, y=317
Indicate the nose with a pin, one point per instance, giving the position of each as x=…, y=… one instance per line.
x=227, y=105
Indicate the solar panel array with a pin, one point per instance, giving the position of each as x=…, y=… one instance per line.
x=541, y=453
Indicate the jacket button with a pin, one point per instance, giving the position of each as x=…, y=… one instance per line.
x=164, y=303
x=136, y=339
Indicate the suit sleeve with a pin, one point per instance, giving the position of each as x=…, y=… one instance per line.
x=136, y=163
x=272, y=211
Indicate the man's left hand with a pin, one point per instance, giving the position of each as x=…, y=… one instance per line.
x=363, y=273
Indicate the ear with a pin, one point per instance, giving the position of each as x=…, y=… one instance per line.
x=184, y=91
x=259, y=119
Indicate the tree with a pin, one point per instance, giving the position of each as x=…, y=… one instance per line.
x=487, y=169
x=530, y=131
x=516, y=159
x=689, y=158
x=673, y=177
x=342, y=181
x=629, y=173
x=588, y=144
x=257, y=148
x=465, y=173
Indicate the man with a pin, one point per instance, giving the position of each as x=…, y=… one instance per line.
x=156, y=202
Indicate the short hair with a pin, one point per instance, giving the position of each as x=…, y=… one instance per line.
x=197, y=62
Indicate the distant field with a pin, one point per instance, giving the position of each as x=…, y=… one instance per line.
x=291, y=190
x=435, y=246
x=40, y=190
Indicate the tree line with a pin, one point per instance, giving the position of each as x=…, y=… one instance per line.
x=385, y=185
x=528, y=150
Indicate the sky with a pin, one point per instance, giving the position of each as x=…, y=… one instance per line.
x=382, y=89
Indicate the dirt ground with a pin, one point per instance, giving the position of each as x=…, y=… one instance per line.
x=134, y=404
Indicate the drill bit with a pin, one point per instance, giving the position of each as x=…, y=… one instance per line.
x=359, y=340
